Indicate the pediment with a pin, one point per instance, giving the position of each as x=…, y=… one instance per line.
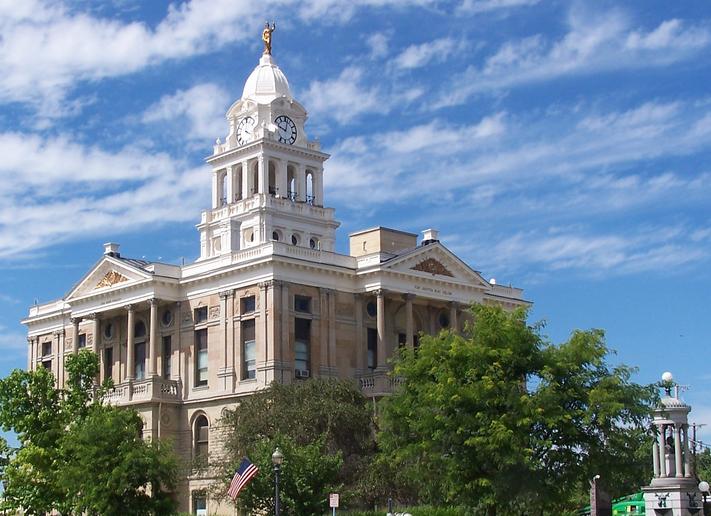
x=108, y=274
x=437, y=262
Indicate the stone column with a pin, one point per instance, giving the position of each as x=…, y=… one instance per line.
x=130, y=348
x=96, y=331
x=216, y=189
x=332, y=331
x=677, y=451
x=229, y=182
x=75, y=335
x=285, y=357
x=153, y=340
x=57, y=365
x=246, y=183
x=361, y=350
x=224, y=325
x=300, y=183
x=453, y=311
x=281, y=179
x=263, y=174
x=687, y=458
x=381, y=329
x=655, y=458
x=323, y=331
x=409, y=322
x=30, y=349
x=662, y=453
x=261, y=335
x=318, y=187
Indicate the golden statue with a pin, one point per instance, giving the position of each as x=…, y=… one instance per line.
x=267, y=37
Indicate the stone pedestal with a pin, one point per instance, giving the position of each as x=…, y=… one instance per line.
x=676, y=498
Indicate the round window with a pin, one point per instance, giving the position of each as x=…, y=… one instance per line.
x=313, y=243
x=167, y=318
x=275, y=236
x=294, y=239
x=443, y=320
x=371, y=309
x=108, y=330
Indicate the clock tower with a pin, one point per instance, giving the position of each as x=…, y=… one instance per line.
x=267, y=177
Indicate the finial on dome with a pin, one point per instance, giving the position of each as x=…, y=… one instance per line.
x=267, y=37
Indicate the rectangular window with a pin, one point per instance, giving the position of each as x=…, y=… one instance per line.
x=47, y=348
x=248, y=305
x=302, y=345
x=201, y=357
x=372, y=348
x=401, y=340
x=81, y=341
x=302, y=304
x=167, y=352
x=200, y=314
x=47, y=365
x=140, y=357
x=108, y=363
x=199, y=504
x=249, y=350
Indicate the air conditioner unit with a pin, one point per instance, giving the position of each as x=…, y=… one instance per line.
x=301, y=373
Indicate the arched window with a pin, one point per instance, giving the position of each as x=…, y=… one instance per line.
x=291, y=182
x=309, y=186
x=139, y=330
x=223, y=189
x=202, y=437
x=254, y=187
x=272, y=178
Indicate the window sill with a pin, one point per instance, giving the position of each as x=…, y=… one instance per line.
x=248, y=380
x=201, y=388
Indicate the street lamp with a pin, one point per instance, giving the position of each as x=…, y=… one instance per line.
x=704, y=488
x=277, y=459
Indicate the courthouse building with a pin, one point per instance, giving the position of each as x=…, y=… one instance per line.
x=268, y=300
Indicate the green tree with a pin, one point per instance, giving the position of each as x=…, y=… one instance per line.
x=508, y=421
x=75, y=453
x=324, y=427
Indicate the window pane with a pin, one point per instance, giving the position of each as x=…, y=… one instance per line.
x=167, y=352
x=302, y=304
x=201, y=357
x=200, y=314
x=248, y=304
x=302, y=329
x=140, y=371
x=108, y=363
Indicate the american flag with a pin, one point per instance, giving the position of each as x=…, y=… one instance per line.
x=243, y=475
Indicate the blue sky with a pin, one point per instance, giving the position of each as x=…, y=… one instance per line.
x=559, y=146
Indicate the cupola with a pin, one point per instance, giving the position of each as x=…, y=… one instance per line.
x=266, y=82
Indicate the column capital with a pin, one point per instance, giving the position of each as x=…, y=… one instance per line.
x=129, y=307
x=409, y=297
x=92, y=316
x=224, y=294
x=153, y=301
x=264, y=285
x=379, y=292
x=75, y=320
x=58, y=333
x=30, y=339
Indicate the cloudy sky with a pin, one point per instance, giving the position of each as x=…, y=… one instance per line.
x=559, y=146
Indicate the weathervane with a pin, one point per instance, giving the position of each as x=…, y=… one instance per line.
x=267, y=37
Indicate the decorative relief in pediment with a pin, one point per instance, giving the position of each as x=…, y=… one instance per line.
x=111, y=278
x=433, y=267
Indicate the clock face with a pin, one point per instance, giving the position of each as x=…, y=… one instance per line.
x=286, y=129
x=244, y=129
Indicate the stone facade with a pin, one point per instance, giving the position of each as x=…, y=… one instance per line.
x=268, y=300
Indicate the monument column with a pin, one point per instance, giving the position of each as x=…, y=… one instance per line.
x=263, y=174
x=361, y=350
x=655, y=458
x=153, y=340
x=130, y=348
x=96, y=329
x=677, y=451
x=662, y=452
x=687, y=459
x=246, y=186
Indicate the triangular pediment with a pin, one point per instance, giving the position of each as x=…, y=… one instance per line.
x=108, y=274
x=437, y=262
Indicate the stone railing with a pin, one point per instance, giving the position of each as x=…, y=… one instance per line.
x=141, y=391
x=378, y=384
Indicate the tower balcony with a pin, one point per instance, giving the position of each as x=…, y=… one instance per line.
x=155, y=389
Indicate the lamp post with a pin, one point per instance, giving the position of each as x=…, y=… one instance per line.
x=704, y=488
x=277, y=459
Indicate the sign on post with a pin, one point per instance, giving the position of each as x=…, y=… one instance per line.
x=333, y=501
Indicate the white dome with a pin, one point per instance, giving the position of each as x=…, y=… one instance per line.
x=266, y=82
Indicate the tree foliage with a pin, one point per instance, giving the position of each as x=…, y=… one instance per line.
x=76, y=454
x=509, y=421
x=324, y=428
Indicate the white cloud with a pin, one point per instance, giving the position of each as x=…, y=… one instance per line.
x=378, y=44
x=52, y=190
x=203, y=107
x=417, y=56
x=592, y=44
x=482, y=6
